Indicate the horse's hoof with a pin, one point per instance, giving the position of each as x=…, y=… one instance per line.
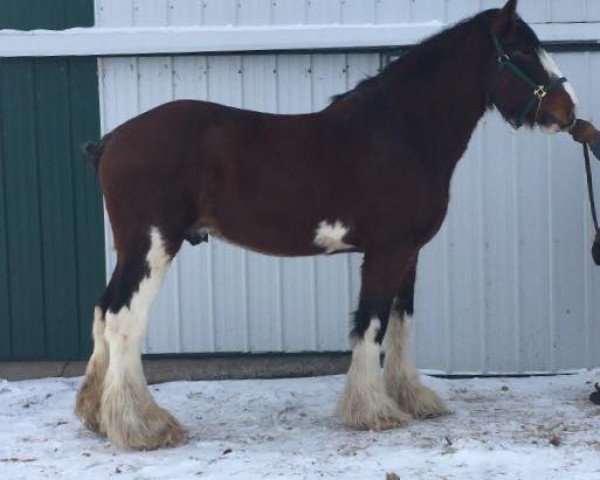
x=367, y=414
x=380, y=421
x=422, y=402
x=132, y=419
x=158, y=429
x=390, y=421
x=87, y=404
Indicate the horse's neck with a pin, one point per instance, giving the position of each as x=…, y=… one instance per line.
x=445, y=106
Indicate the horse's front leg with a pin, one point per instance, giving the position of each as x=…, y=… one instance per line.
x=401, y=377
x=365, y=403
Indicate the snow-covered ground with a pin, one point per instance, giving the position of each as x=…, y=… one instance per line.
x=519, y=428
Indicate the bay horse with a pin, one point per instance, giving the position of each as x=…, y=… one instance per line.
x=370, y=173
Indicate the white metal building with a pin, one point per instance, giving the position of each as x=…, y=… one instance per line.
x=506, y=286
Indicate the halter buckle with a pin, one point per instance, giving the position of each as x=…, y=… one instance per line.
x=540, y=92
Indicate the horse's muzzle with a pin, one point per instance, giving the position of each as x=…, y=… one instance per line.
x=554, y=123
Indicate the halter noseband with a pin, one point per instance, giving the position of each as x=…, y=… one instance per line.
x=539, y=92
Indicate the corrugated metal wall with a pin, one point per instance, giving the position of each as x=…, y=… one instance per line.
x=122, y=13
x=51, y=265
x=507, y=285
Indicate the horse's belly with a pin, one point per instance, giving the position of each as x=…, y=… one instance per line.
x=272, y=241
x=283, y=231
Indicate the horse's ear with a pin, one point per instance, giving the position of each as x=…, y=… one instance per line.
x=506, y=18
x=510, y=9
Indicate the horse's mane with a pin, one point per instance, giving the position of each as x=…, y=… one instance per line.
x=423, y=57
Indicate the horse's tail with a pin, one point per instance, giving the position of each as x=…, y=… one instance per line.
x=94, y=151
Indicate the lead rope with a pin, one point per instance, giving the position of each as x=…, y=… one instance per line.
x=594, y=396
x=588, y=174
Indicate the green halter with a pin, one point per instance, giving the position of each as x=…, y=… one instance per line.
x=539, y=91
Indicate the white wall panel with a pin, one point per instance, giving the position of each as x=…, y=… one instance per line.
x=506, y=286
x=113, y=13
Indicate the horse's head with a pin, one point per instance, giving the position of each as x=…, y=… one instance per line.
x=526, y=85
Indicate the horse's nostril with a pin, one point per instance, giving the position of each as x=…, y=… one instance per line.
x=562, y=121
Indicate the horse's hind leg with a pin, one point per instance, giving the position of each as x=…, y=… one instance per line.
x=127, y=413
x=401, y=377
x=89, y=396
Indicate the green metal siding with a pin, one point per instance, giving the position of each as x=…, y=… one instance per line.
x=51, y=227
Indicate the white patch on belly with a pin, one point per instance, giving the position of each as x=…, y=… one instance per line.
x=554, y=71
x=331, y=236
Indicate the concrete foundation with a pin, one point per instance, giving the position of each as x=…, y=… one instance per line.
x=166, y=369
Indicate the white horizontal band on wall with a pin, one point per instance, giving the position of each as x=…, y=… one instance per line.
x=202, y=39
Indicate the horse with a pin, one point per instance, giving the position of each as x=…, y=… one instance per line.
x=370, y=173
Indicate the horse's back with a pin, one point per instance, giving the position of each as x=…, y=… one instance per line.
x=189, y=164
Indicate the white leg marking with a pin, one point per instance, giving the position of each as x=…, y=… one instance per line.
x=89, y=396
x=331, y=236
x=554, y=71
x=130, y=417
x=365, y=405
x=402, y=378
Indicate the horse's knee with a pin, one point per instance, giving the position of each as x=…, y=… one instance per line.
x=364, y=315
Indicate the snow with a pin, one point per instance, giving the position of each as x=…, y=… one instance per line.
x=229, y=38
x=255, y=429
x=210, y=39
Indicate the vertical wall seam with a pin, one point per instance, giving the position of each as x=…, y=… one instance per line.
x=271, y=12
x=169, y=12
x=313, y=261
x=211, y=295
x=348, y=257
x=551, y=327
x=278, y=260
x=210, y=250
x=134, y=12
x=102, y=96
x=97, y=13
x=5, y=217
x=586, y=235
x=448, y=301
x=243, y=253
x=481, y=249
x=176, y=267
x=36, y=153
x=279, y=293
x=72, y=161
x=236, y=12
x=516, y=255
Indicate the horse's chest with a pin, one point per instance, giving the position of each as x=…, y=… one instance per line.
x=411, y=213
